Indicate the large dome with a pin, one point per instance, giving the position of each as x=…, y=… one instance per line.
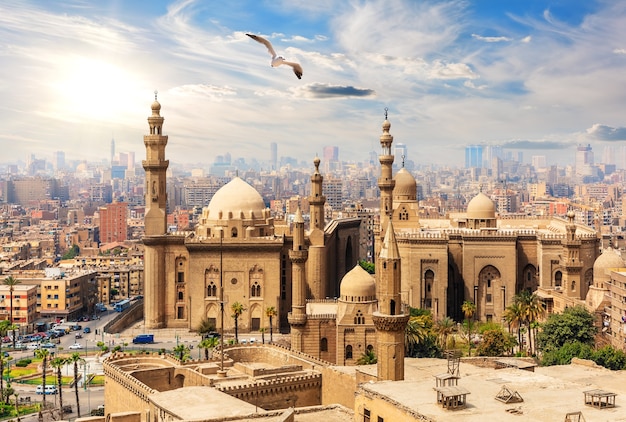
x=481, y=208
x=610, y=258
x=234, y=198
x=406, y=186
x=358, y=286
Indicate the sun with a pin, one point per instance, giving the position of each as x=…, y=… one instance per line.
x=92, y=88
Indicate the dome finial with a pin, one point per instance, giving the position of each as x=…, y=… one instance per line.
x=386, y=110
x=155, y=94
x=403, y=157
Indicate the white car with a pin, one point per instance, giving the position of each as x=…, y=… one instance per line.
x=75, y=346
x=32, y=346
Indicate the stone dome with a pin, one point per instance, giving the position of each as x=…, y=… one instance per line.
x=406, y=186
x=234, y=199
x=610, y=258
x=358, y=286
x=481, y=208
x=156, y=106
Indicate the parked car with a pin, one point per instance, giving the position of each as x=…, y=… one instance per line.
x=50, y=389
x=86, y=330
x=77, y=327
x=32, y=346
x=48, y=345
x=144, y=339
x=78, y=335
x=75, y=346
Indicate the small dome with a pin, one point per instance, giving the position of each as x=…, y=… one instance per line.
x=610, y=258
x=481, y=208
x=358, y=286
x=156, y=106
x=406, y=186
x=233, y=197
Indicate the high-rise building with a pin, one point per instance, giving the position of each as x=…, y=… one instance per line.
x=58, y=160
x=331, y=153
x=112, y=150
x=274, y=155
x=473, y=156
x=538, y=162
x=113, y=222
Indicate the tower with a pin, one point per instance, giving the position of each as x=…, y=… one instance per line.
x=298, y=256
x=386, y=182
x=316, y=270
x=155, y=220
x=390, y=319
x=571, y=265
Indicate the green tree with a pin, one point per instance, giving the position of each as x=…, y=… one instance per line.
x=574, y=324
x=610, y=358
x=469, y=309
x=563, y=355
x=370, y=267
x=71, y=253
x=367, y=358
x=513, y=315
x=11, y=283
x=58, y=363
x=270, y=312
x=263, y=330
x=75, y=360
x=43, y=355
x=443, y=328
x=182, y=352
x=495, y=342
x=531, y=310
x=237, y=309
x=207, y=344
x=205, y=326
x=4, y=329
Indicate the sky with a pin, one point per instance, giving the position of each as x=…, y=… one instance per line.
x=538, y=76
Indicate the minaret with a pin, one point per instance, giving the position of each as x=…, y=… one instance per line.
x=570, y=260
x=316, y=266
x=390, y=320
x=385, y=181
x=155, y=221
x=298, y=255
x=317, y=200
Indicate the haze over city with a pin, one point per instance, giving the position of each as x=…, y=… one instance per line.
x=535, y=76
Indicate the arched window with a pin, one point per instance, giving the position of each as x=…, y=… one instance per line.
x=348, y=352
x=255, y=290
x=359, y=318
x=211, y=290
x=573, y=286
x=558, y=278
x=180, y=295
x=370, y=348
x=233, y=232
x=324, y=345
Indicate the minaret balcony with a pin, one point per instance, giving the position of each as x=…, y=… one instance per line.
x=298, y=256
x=296, y=319
x=393, y=323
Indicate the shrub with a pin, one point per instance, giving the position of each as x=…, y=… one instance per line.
x=22, y=363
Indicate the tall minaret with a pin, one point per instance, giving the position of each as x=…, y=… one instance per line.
x=298, y=255
x=386, y=183
x=316, y=266
x=155, y=166
x=155, y=220
x=570, y=260
x=317, y=200
x=390, y=319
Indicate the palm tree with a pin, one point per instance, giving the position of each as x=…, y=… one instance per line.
x=58, y=363
x=182, y=351
x=367, y=358
x=4, y=329
x=263, y=330
x=205, y=326
x=531, y=309
x=11, y=282
x=443, y=328
x=208, y=343
x=270, y=312
x=43, y=355
x=415, y=332
x=75, y=359
x=469, y=309
x=237, y=309
x=513, y=314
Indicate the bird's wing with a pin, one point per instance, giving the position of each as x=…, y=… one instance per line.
x=297, y=69
x=264, y=42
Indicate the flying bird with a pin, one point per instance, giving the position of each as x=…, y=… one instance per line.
x=276, y=59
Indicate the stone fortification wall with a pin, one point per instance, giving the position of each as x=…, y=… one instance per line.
x=123, y=391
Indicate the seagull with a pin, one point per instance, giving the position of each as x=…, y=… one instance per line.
x=276, y=59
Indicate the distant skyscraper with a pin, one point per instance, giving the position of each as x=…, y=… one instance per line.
x=58, y=160
x=400, y=153
x=608, y=155
x=473, y=156
x=274, y=155
x=584, y=160
x=490, y=152
x=113, y=225
x=112, y=150
x=331, y=153
x=538, y=162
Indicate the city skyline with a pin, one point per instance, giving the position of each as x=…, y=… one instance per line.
x=540, y=77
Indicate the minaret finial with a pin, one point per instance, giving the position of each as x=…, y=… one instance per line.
x=403, y=157
x=386, y=109
x=155, y=94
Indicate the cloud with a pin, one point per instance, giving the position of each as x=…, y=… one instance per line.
x=319, y=90
x=620, y=51
x=527, y=39
x=441, y=70
x=490, y=39
x=526, y=144
x=607, y=133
